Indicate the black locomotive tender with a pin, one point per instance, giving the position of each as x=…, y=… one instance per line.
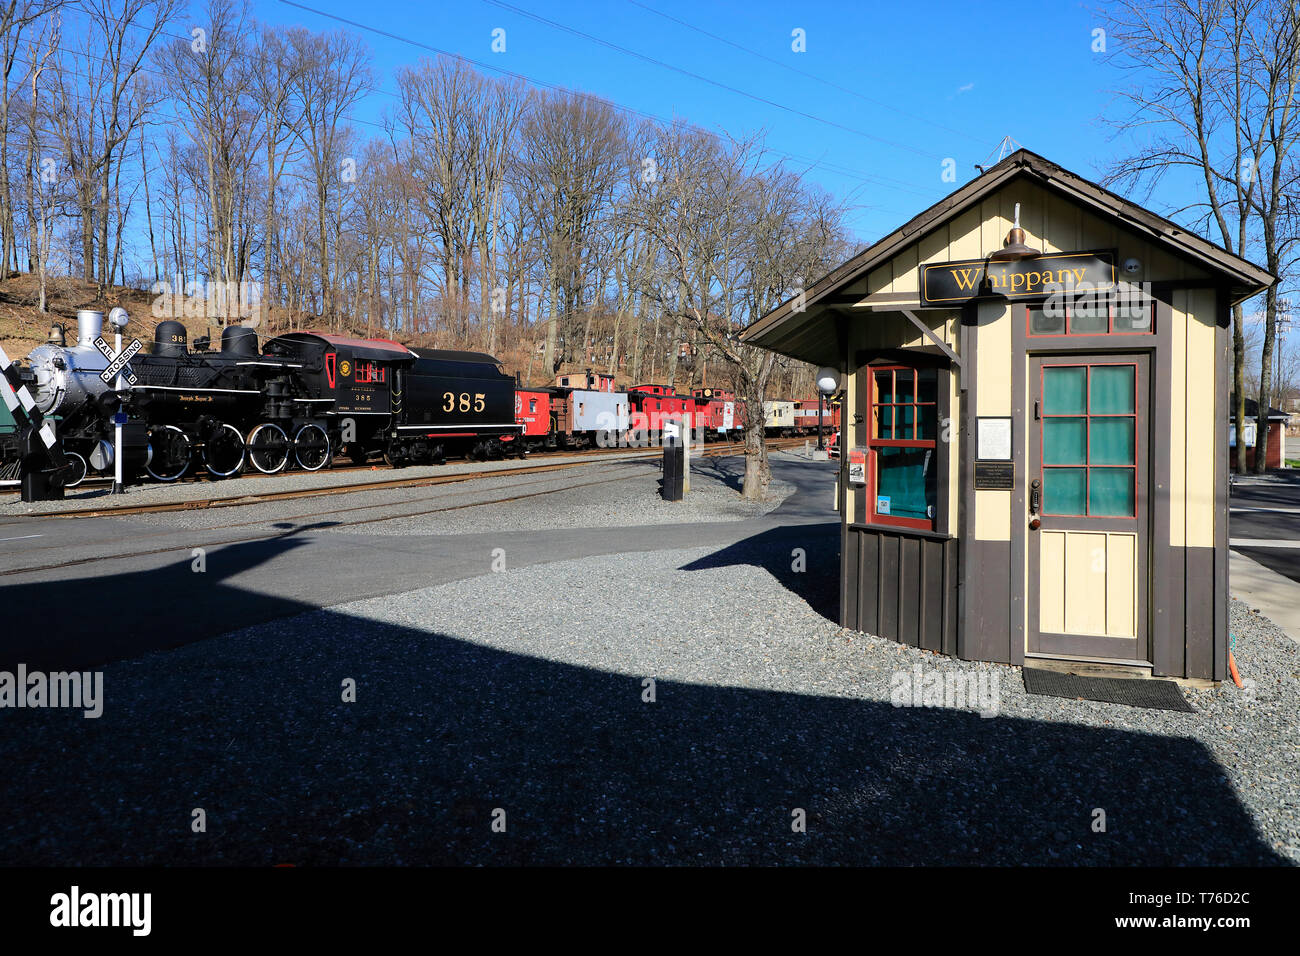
x=303, y=399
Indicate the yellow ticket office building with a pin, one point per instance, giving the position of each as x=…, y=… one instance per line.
x=1034, y=461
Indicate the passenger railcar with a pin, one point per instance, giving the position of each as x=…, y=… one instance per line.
x=806, y=416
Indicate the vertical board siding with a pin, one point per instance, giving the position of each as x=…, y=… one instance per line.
x=906, y=588
x=1052, y=223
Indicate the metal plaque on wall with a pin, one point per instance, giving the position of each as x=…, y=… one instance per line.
x=995, y=475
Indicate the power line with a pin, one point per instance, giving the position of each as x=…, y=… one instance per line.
x=866, y=177
x=812, y=76
x=702, y=78
x=833, y=168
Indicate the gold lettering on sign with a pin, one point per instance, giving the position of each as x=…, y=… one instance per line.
x=958, y=281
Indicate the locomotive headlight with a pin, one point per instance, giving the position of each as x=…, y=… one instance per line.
x=118, y=318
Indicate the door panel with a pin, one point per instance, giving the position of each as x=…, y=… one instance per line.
x=1087, y=560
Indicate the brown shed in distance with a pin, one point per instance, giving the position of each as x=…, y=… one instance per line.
x=1034, y=455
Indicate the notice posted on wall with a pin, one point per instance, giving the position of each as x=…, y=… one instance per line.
x=882, y=504
x=993, y=439
x=858, y=466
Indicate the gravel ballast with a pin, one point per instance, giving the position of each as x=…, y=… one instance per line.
x=524, y=692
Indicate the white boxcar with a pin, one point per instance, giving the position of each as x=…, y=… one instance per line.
x=778, y=414
x=598, y=411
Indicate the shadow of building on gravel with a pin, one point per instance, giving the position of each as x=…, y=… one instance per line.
x=443, y=732
x=804, y=558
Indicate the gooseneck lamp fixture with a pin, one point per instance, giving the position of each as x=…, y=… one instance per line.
x=1014, y=247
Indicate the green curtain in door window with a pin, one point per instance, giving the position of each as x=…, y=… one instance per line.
x=1112, y=390
x=1065, y=390
x=1110, y=492
x=1110, y=441
x=1065, y=491
x=1065, y=441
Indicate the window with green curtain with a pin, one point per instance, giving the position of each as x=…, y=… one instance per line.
x=1089, y=439
x=905, y=426
x=906, y=477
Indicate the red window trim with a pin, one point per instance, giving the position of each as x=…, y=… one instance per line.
x=1088, y=416
x=919, y=524
x=1108, y=331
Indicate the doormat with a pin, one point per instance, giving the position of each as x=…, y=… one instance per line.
x=1132, y=692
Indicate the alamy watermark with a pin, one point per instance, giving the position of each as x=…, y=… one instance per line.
x=79, y=690
x=960, y=689
x=197, y=299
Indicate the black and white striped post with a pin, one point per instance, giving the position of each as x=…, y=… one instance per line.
x=117, y=365
x=42, y=461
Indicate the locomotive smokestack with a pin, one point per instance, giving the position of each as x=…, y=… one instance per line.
x=90, y=324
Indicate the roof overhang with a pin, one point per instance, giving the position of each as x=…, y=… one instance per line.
x=807, y=330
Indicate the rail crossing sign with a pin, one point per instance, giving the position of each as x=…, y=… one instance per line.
x=117, y=363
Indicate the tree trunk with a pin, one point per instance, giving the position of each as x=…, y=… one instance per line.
x=1265, y=382
x=758, y=471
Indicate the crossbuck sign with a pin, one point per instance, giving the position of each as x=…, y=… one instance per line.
x=117, y=363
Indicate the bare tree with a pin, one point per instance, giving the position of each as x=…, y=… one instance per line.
x=15, y=18
x=332, y=75
x=212, y=78
x=1216, y=89
x=571, y=160
x=275, y=72
x=735, y=234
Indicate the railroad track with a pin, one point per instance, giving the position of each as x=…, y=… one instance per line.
x=350, y=516
x=204, y=504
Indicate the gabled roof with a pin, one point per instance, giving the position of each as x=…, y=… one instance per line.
x=1243, y=278
x=1252, y=410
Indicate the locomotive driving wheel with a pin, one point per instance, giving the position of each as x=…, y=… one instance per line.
x=268, y=448
x=168, y=453
x=311, y=448
x=223, y=452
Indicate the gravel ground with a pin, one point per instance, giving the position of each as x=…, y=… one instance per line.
x=606, y=495
x=627, y=502
x=523, y=691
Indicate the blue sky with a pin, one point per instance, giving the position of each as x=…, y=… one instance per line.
x=915, y=82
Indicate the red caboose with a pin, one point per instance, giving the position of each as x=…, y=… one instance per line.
x=653, y=405
x=718, y=411
x=533, y=410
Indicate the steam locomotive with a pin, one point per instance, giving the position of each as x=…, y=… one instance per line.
x=303, y=399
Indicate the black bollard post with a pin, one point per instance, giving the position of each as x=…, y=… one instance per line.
x=674, y=468
x=40, y=478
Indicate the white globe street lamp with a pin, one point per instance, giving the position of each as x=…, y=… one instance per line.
x=828, y=380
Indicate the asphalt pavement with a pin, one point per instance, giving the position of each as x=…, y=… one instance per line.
x=82, y=592
x=1265, y=521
